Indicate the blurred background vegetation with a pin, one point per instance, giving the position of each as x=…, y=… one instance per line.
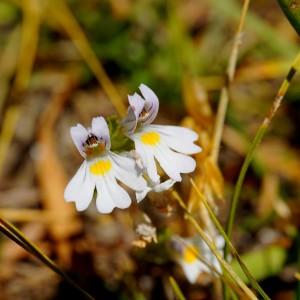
x=52, y=60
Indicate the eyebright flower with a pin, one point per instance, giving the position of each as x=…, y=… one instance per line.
x=191, y=265
x=101, y=169
x=169, y=145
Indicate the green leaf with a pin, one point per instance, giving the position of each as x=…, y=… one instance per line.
x=262, y=263
x=291, y=9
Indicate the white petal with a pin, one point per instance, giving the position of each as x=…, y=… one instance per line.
x=208, y=254
x=124, y=161
x=137, y=103
x=166, y=185
x=79, y=135
x=215, y=263
x=110, y=195
x=133, y=154
x=125, y=170
x=174, y=163
x=104, y=201
x=81, y=188
x=158, y=187
x=219, y=241
x=151, y=103
x=211, y=259
x=129, y=123
x=180, y=144
x=140, y=195
x=175, y=131
x=192, y=270
x=101, y=131
x=147, y=157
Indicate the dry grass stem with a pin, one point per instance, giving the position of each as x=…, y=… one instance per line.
x=224, y=96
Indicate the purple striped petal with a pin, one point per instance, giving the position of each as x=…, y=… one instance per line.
x=79, y=135
x=151, y=104
x=101, y=131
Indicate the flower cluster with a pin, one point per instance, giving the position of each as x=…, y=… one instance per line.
x=108, y=171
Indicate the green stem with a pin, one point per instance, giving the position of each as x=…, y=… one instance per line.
x=257, y=139
x=176, y=289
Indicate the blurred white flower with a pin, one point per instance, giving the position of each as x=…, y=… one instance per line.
x=190, y=263
x=101, y=169
x=168, y=145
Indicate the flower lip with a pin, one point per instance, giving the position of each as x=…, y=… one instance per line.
x=94, y=145
x=143, y=113
x=91, y=141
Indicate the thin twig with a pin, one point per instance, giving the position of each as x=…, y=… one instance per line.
x=224, y=97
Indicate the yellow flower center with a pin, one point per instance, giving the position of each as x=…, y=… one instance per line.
x=189, y=254
x=150, y=138
x=101, y=167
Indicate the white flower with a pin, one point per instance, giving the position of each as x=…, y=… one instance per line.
x=168, y=145
x=101, y=169
x=190, y=263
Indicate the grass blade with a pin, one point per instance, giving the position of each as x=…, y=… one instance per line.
x=176, y=289
x=256, y=141
x=17, y=236
x=65, y=18
x=212, y=247
x=29, y=42
x=216, y=222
